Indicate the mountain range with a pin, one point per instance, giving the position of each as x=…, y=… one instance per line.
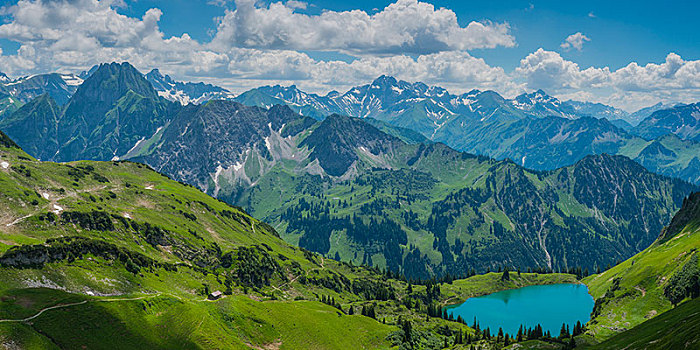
x=16, y=92
x=362, y=191
x=483, y=122
x=59, y=86
x=345, y=189
x=682, y=121
x=535, y=130
x=110, y=112
x=388, y=98
x=115, y=239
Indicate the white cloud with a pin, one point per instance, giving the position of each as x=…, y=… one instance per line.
x=455, y=70
x=80, y=33
x=74, y=35
x=549, y=71
x=575, y=41
x=50, y=21
x=630, y=87
x=674, y=74
x=406, y=26
x=408, y=39
x=220, y=3
x=297, y=4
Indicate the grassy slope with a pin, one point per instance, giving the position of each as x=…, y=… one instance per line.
x=167, y=295
x=642, y=280
x=174, y=323
x=675, y=329
x=93, y=298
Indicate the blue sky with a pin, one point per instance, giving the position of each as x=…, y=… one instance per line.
x=624, y=59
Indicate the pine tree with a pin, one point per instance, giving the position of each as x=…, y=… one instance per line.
x=505, y=276
x=519, y=338
x=537, y=332
x=407, y=330
x=578, y=328
x=562, y=332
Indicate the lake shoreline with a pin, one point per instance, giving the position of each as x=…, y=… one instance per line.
x=476, y=286
x=452, y=305
x=548, y=305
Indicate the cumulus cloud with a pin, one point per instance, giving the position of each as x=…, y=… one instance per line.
x=673, y=74
x=74, y=35
x=548, y=70
x=575, y=41
x=79, y=33
x=255, y=45
x=406, y=26
x=455, y=70
x=51, y=21
x=630, y=87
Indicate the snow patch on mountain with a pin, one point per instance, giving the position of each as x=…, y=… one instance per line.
x=186, y=92
x=72, y=79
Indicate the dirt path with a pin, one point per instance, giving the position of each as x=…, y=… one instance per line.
x=61, y=306
x=306, y=273
x=18, y=220
x=44, y=310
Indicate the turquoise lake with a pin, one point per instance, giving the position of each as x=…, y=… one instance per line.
x=548, y=305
